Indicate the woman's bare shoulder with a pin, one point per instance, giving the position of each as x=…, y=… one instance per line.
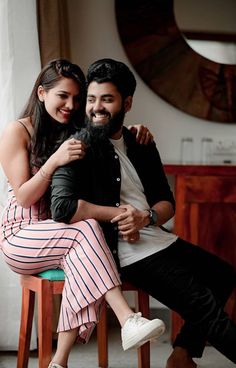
x=21, y=129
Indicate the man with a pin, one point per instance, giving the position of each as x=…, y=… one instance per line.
x=122, y=185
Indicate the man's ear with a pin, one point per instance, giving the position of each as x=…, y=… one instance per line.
x=41, y=93
x=128, y=103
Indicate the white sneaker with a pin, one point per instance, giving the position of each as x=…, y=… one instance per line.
x=137, y=330
x=54, y=365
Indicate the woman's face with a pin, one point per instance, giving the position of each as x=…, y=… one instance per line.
x=61, y=100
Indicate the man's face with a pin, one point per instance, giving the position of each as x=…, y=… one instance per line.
x=105, y=108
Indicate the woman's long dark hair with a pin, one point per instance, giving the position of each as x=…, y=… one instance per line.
x=48, y=135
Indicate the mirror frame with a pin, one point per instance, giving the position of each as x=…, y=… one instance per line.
x=169, y=66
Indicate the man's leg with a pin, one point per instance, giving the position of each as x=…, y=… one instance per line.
x=213, y=273
x=170, y=277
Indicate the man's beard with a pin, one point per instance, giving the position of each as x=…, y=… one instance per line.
x=101, y=133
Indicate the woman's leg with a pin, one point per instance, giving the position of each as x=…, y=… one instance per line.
x=136, y=330
x=118, y=304
x=81, y=251
x=65, y=343
x=66, y=339
x=91, y=274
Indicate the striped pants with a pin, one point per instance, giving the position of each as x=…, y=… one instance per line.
x=81, y=251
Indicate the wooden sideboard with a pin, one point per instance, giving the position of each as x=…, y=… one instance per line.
x=206, y=214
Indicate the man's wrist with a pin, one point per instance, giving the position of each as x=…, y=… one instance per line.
x=152, y=216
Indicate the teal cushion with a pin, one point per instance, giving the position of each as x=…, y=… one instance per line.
x=53, y=275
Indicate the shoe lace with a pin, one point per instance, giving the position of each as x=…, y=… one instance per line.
x=137, y=319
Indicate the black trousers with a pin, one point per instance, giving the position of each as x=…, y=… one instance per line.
x=196, y=284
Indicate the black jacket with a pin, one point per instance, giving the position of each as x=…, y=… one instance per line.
x=97, y=179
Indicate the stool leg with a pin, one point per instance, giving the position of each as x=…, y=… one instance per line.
x=142, y=304
x=45, y=310
x=27, y=312
x=102, y=338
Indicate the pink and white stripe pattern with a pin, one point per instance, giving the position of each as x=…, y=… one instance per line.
x=32, y=243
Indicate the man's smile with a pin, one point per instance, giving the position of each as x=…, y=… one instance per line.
x=99, y=118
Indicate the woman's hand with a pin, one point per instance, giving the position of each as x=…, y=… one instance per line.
x=69, y=151
x=142, y=133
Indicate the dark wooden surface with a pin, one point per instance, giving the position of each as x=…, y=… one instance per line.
x=206, y=213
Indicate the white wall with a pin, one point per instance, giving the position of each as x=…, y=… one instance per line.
x=94, y=35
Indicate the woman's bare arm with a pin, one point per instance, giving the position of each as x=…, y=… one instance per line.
x=14, y=158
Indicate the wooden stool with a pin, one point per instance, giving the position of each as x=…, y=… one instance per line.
x=45, y=289
x=46, y=285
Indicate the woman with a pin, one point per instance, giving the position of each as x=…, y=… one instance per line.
x=31, y=149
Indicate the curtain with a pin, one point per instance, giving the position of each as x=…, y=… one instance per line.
x=53, y=29
x=54, y=42
x=19, y=67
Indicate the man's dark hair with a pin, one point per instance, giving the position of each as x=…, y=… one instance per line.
x=116, y=72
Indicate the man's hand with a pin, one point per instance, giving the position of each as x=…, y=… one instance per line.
x=131, y=221
x=132, y=238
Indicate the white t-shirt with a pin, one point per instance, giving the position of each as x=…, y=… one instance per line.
x=152, y=238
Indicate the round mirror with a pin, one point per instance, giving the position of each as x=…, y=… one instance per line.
x=209, y=27
x=169, y=66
